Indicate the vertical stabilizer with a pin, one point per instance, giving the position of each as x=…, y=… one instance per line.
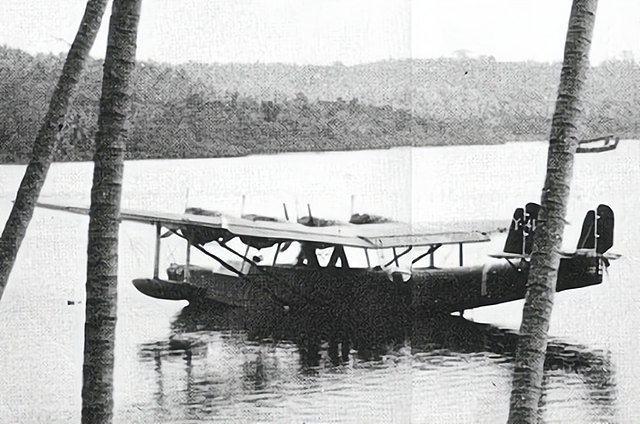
x=520, y=237
x=515, y=238
x=530, y=220
x=597, y=230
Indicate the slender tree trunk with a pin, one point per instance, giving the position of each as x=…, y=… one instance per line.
x=545, y=258
x=102, y=250
x=36, y=173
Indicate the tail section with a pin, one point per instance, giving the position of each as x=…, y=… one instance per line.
x=596, y=235
x=520, y=237
x=597, y=230
x=530, y=220
x=515, y=236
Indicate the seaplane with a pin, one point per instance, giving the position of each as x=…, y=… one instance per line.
x=324, y=272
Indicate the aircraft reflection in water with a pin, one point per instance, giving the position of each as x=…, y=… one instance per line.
x=324, y=319
x=209, y=365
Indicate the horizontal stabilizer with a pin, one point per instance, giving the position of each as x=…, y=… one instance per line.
x=506, y=256
x=590, y=253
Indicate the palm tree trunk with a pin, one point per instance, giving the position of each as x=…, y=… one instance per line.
x=36, y=173
x=545, y=258
x=102, y=250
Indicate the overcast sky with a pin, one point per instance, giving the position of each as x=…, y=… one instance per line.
x=327, y=31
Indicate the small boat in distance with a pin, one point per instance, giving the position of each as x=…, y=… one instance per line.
x=598, y=145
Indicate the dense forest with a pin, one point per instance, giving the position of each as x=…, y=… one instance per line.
x=206, y=110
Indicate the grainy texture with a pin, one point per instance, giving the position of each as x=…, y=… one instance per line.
x=235, y=98
x=545, y=257
x=102, y=250
x=45, y=143
x=213, y=110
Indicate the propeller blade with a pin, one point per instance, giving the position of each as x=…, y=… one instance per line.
x=310, y=215
x=285, y=246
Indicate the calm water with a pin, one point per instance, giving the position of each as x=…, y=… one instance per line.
x=177, y=365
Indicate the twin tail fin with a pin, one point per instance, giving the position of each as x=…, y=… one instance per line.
x=596, y=234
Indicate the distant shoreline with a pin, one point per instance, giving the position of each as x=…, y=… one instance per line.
x=258, y=154
x=280, y=152
x=274, y=153
x=218, y=111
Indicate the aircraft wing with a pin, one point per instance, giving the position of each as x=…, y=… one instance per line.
x=169, y=220
x=370, y=236
x=394, y=234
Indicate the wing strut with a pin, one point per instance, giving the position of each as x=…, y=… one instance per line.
x=431, y=250
x=206, y=252
x=211, y=255
x=156, y=258
x=397, y=256
x=186, y=268
x=275, y=257
x=244, y=258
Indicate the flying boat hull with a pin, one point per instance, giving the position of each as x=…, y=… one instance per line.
x=426, y=289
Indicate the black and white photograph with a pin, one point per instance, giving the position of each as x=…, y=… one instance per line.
x=319, y=211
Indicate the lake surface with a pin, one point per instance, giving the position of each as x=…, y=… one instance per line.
x=443, y=371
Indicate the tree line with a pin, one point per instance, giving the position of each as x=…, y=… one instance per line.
x=113, y=123
x=211, y=110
